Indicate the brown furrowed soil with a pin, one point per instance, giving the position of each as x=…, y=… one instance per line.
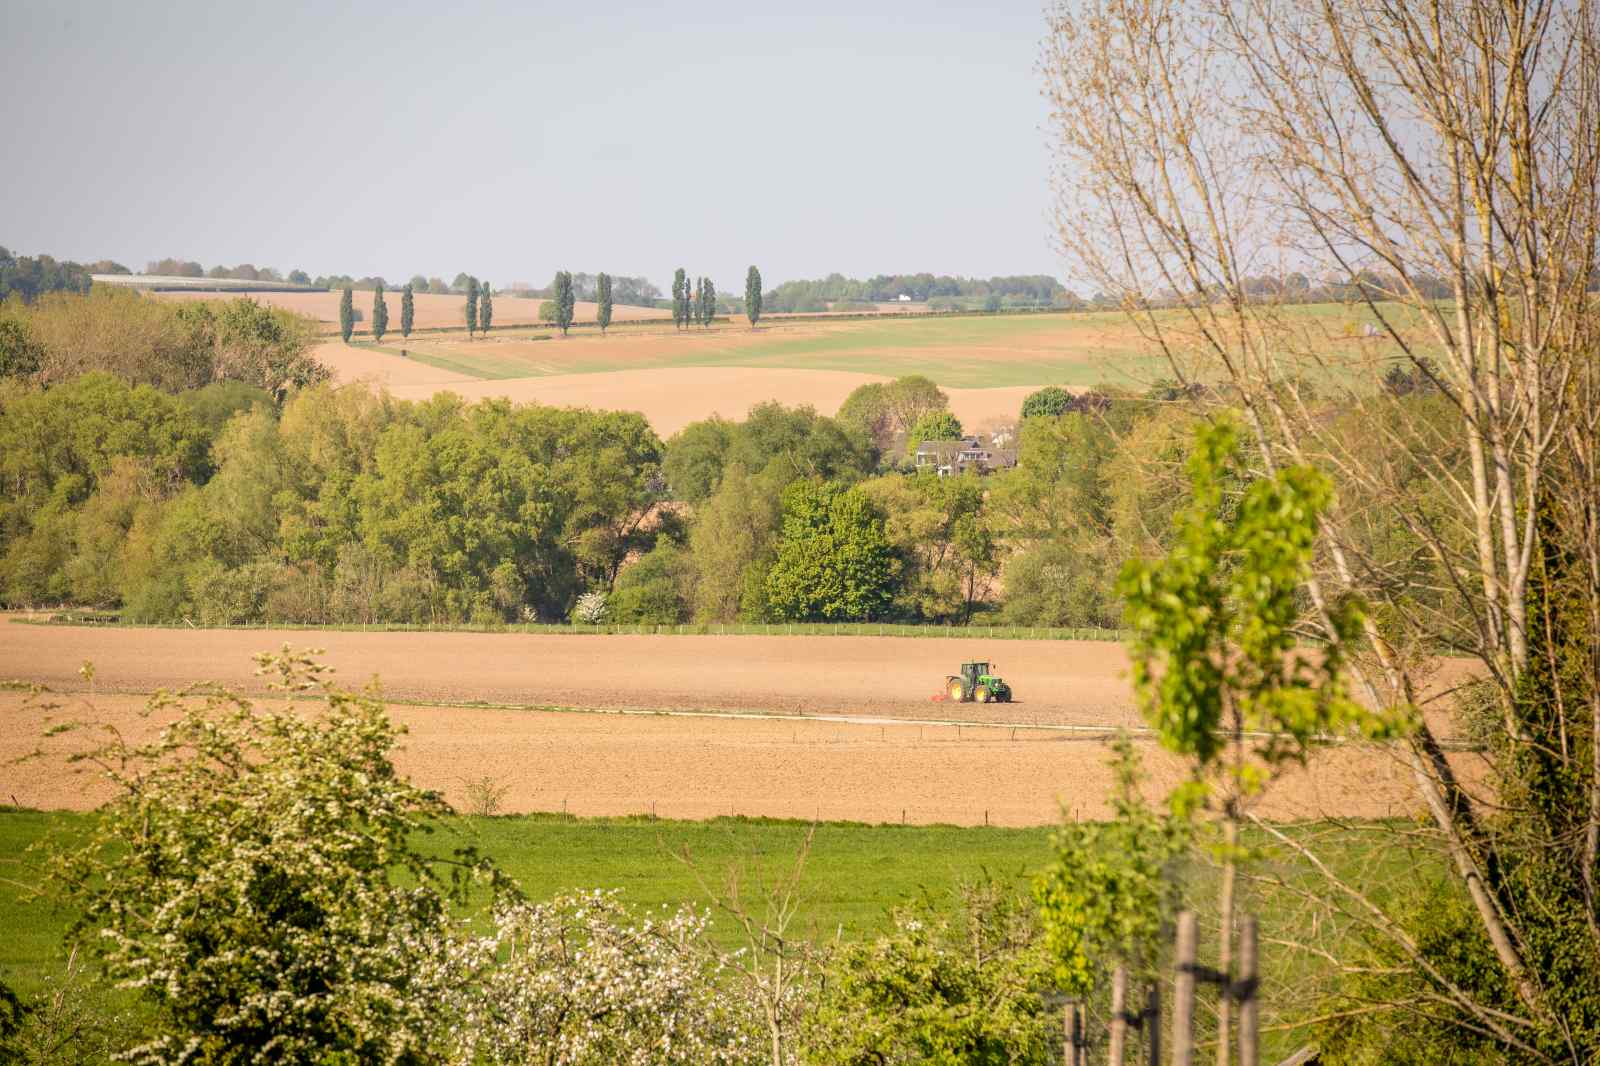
x=701, y=726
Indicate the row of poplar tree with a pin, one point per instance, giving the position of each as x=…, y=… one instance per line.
x=691, y=302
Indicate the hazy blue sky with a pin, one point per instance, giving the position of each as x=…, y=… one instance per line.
x=513, y=140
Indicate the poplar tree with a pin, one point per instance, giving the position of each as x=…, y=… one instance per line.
x=752, y=296
x=472, y=307
x=564, y=301
x=680, y=297
x=407, y=312
x=708, y=302
x=380, y=313
x=602, y=295
x=486, y=308
x=347, y=314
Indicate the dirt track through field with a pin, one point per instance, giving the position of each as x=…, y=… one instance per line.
x=895, y=758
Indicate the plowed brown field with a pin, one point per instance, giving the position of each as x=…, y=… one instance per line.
x=742, y=733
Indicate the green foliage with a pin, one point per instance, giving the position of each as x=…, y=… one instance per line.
x=706, y=308
x=657, y=589
x=941, y=537
x=408, y=309
x=1050, y=402
x=471, y=308
x=1031, y=290
x=833, y=562
x=1214, y=649
x=680, y=298
x=565, y=301
x=20, y=354
x=1069, y=581
x=380, y=314
x=485, y=307
x=935, y=425
x=937, y=990
x=752, y=296
x=1109, y=893
x=30, y=277
x=257, y=880
x=602, y=295
x=347, y=314
x=547, y=310
x=695, y=457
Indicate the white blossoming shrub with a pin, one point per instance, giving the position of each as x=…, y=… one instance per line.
x=256, y=881
x=590, y=608
x=582, y=981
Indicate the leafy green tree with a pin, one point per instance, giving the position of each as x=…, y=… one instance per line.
x=752, y=296
x=937, y=988
x=833, y=563
x=1216, y=666
x=408, y=311
x=935, y=425
x=20, y=354
x=708, y=302
x=695, y=457
x=418, y=283
x=732, y=542
x=485, y=308
x=1049, y=401
x=680, y=298
x=287, y=840
x=658, y=589
x=347, y=314
x=948, y=555
x=565, y=301
x=602, y=295
x=472, y=306
x=380, y=313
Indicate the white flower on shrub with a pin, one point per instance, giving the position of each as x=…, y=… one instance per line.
x=581, y=980
x=590, y=608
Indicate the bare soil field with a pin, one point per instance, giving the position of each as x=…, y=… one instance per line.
x=697, y=767
x=1058, y=682
x=669, y=399
x=432, y=310
x=699, y=726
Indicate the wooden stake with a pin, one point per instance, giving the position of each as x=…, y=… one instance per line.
x=1152, y=1025
x=1249, y=1003
x=1119, y=1023
x=1183, y=991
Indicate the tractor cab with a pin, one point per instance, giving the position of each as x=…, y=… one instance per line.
x=975, y=683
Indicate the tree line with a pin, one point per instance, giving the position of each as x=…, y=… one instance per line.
x=821, y=294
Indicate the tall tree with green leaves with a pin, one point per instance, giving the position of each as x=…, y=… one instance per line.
x=380, y=313
x=486, y=308
x=472, y=306
x=752, y=296
x=565, y=301
x=408, y=311
x=347, y=314
x=834, y=562
x=708, y=302
x=602, y=295
x=680, y=298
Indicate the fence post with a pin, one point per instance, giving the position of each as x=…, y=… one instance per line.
x=1183, y=991
x=1249, y=1003
x=1072, y=1030
x=1152, y=1024
x=1119, y=1021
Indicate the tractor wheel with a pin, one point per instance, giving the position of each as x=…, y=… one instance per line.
x=981, y=694
x=954, y=687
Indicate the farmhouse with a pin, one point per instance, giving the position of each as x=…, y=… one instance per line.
x=946, y=457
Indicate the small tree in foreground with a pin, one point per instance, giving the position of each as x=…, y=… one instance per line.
x=257, y=880
x=347, y=314
x=408, y=312
x=752, y=296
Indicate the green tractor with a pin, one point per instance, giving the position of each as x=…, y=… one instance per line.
x=975, y=684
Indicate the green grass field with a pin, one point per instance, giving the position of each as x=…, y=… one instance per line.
x=979, y=351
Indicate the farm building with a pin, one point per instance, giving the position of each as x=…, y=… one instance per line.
x=947, y=457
